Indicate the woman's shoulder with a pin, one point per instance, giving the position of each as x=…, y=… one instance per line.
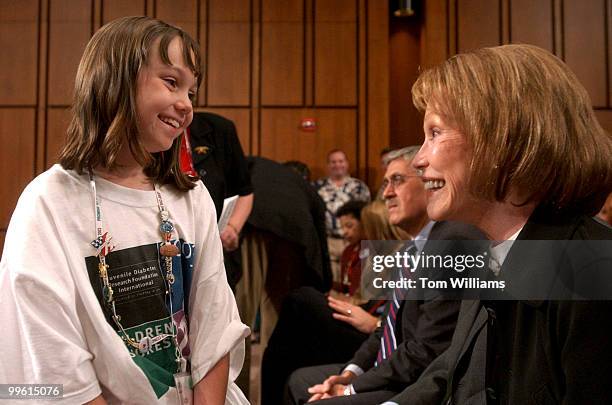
x=543, y=225
x=592, y=229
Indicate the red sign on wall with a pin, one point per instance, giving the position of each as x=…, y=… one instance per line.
x=308, y=124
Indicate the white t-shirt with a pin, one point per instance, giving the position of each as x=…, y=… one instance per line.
x=55, y=329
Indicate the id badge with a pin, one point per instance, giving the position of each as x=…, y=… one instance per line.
x=184, y=390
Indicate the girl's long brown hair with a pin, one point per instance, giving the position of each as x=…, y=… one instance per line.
x=103, y=114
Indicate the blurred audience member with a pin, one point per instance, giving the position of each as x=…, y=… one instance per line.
x=336, y=190
x=300, y=168
x=349, y=216
x=284, y=244
x=316, y=329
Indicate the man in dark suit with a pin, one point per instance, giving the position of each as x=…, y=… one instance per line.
x=422, y=329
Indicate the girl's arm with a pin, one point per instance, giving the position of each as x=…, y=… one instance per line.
x=212, y=388
x=99, y=400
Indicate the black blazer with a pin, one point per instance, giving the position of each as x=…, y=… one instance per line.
x=527, y=352
x=423, y=328
x=218, y=157
x=289, y=207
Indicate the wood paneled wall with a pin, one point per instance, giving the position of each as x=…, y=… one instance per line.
x=404, y=47
x=271, y=63
x=268, y=64
x=579, y=32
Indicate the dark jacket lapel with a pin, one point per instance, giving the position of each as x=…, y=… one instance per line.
x=534, y=266
x=474, y=315
x=201, y=137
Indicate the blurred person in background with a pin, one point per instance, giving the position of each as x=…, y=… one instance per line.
x=316, y=328
x=337, y=189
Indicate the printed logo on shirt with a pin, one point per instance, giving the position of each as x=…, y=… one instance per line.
x=139, y=288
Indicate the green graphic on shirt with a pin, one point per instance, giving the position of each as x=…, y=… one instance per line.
x=159, y=364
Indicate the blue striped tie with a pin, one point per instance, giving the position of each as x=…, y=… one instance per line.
x=388, y=343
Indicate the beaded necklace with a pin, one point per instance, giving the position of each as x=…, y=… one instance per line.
x=167, y=250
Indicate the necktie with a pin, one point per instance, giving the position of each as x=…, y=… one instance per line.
x=388, y=342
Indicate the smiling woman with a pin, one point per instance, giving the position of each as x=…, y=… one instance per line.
x=512, y=146
x=445, y=176
x=510, y=125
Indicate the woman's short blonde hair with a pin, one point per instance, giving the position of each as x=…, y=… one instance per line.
x=529, y=123
x=103, y=114
x=376, y=225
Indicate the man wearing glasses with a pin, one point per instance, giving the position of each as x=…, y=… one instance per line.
x=405, y=343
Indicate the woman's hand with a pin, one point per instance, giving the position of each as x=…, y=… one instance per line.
x=339, y=295
x=229, y=238
x=353, y=315
x=230, y=235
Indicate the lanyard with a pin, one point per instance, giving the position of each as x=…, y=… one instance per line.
x=103, y=245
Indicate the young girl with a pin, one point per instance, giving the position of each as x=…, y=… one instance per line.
x=112, y=275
